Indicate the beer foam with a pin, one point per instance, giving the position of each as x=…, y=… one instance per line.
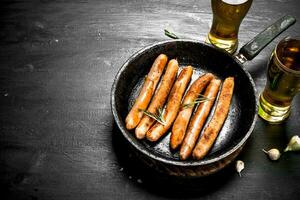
x=234, y=2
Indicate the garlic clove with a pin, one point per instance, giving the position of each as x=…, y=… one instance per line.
x=273, y=154
x=239, y=166
x=294, y=144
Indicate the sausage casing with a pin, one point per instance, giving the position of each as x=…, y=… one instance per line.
x=159, y=98
x=198, y=120
x=172, y=106
x=185, y=112
x=211, y=132
x=135, y=114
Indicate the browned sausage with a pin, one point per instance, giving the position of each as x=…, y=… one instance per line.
x=183, y=117
x=148, y=88
x=159, y=98
x=173, y=105
x=212, y=130
x=198, y=119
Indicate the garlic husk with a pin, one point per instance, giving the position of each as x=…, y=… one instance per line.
x=239, y=166
x=294, y=144
x=273, y=154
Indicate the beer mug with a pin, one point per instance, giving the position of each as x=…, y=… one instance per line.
x=227, y=17
x=283, y=81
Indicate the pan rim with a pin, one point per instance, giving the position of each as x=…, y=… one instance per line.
x=189, y=163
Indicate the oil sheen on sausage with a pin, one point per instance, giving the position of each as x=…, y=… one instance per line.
x=173, y=105
x=185, y=112
x=159, y=98
x=148, y=89
x=211, y=132
x=198, y=120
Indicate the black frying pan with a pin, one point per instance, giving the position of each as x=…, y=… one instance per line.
x=204, y=58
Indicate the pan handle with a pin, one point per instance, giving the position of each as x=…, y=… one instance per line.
x=259, y=42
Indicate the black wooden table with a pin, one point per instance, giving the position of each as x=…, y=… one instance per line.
x=58, y=139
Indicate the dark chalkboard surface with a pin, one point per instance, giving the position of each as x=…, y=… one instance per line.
x=58, y=138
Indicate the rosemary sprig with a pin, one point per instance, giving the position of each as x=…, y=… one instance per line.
x=170, y=34
x=197, y=101
x=158, y=117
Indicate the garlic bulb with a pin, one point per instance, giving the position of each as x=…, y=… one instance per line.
x=294, y=144
x=239, y=166
x=273, y=154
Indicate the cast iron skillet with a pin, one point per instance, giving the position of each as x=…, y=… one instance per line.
x=204, y=58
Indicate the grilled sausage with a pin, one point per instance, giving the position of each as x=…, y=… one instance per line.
x=148, y=88
x=173, y=105
x=183, y=117
x=159, y=98
x=198, y=119
x=212, y=130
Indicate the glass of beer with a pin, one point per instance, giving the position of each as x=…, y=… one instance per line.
x=283, y=81
x=227, y=17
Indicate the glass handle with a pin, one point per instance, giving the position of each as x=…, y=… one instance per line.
x=258, y=43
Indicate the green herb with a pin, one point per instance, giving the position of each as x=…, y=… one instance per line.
x=275, y=80
x=197, y=101
x=170, y=34
x=158, y=117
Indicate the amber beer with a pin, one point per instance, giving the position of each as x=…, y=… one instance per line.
x=227, y=17
x=283, y=81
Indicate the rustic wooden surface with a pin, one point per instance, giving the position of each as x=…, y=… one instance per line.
x=58, y=139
